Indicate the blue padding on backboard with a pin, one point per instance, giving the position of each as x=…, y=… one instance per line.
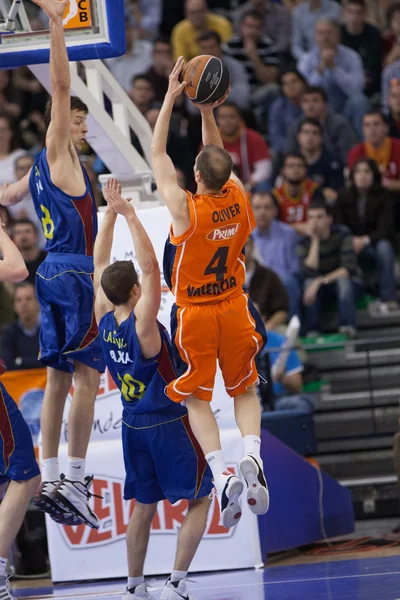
x=116, y=47
x=301, y=511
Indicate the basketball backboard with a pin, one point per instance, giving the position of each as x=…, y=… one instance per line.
x=94, y=29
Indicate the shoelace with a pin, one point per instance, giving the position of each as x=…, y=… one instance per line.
x=86, y=486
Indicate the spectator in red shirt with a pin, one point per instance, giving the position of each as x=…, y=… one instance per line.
x=381, y=148
x=247, y=147
x=385, y=151
x=296, y=192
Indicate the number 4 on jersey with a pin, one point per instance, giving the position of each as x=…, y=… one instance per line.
x=217, y=265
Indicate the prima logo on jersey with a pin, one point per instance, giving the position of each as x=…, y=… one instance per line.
x=114, y=513
x=223, y=233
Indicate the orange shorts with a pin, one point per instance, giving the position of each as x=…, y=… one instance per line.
x=231, y=332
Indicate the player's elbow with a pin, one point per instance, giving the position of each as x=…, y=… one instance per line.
x=19, y=275
x=151, y=266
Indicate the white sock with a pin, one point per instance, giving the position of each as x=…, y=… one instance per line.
x=252, y=445
x=216, y=462
x=178, y=575
x=3, y=566
x=135, y=581
x=76, y=469
x=50, y=469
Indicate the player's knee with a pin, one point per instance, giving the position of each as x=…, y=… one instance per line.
x=58, y=382
x=200, y=504
x=86, y=378
x=145, y=512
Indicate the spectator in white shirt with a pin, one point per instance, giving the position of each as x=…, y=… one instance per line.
x=305, y=17
x=137, y=59
x=8, y=151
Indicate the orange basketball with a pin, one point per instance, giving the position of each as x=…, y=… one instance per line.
x=207, y=79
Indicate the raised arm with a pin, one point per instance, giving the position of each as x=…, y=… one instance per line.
x=146, y=310
x=12, y=266
x=164, y=171
x=14, y=193
x=102, y=254
x=58, y=135
x=210, y=131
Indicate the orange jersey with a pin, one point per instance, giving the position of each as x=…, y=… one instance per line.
x=206, y=264
x=294, y=209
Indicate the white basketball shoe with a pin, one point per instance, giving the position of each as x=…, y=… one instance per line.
x=139, y=592
x=5, y=593
x=73, y=497
x=176, y=591
x=229, y=488
x=43, y=501
x=257, y=489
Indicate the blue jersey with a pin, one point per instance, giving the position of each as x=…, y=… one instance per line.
x=69, y=224
x=141, y=381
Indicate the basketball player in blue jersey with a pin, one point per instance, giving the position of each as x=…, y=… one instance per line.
x=18, y=465
x=69, y=342
x=162, y=457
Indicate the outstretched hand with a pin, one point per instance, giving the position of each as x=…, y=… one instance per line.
x=54, y=9
x=112, y=194
x=175, y=87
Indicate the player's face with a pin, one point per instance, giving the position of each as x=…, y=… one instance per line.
x=25, y=303
x=313, y=106
x=25, y=236
x=228, y=120
x=294, y=170
x=374, y=129
x=319, y=221
x=292, y=86
x=78, y=128
x=264, y=210
x=363, y=176
x=309, y=138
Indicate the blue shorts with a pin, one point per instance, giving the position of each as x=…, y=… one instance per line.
x=163, y=460
x=17, y=456
x=64, y=288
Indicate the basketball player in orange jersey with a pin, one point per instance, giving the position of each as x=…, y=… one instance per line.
x=213, y=317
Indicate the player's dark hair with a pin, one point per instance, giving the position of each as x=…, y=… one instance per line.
x=76, y=104
x=254, y=14
x=215, y=165
x=314, y=89
x=208, y=35
x=25, y=222
x=320, y=204
x=374, y=112
x=297, y=155
x=118, y=280
x=313, y=122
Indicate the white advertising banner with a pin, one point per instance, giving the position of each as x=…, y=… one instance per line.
x=81, y=553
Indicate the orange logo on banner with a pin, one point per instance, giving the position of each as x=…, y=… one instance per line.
x=77, y=14
x=114, y=514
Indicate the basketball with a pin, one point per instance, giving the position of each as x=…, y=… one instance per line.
x=207, y=79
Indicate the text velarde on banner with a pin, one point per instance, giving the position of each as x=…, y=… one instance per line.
x=114, y=513
x=77, y=14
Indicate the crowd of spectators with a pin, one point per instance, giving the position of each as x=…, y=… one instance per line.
x=312, y=123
